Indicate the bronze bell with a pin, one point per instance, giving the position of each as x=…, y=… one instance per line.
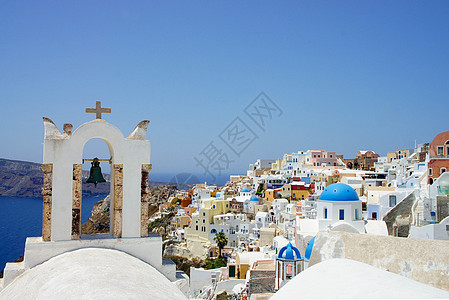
x=95, y=173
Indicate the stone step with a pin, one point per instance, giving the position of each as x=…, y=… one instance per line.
x=11, y=271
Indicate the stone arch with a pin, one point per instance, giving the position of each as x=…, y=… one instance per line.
x=130, y=160
x=77, y=187
x=112, y=136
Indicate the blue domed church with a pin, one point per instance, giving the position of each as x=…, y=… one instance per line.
x=339, y=208
x=288, y=264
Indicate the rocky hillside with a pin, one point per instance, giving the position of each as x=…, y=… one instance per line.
x=99, y=221
x=24, y=179
x=19, y=178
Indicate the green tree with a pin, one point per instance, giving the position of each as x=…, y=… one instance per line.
x=221, y=240
x=260, y=189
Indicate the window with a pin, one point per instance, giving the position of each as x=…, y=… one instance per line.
x=289, y=269
x=356, y=214
x=325, y=213
x=196, y=227
x=440, y=150
x=342, y=214
x=430, y=172
x=442, y=170
x=392, y=200
x=447, y=227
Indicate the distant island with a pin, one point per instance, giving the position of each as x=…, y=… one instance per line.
x=25, y=179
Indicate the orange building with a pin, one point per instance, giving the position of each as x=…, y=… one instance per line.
x=439, y=156
x=365, y=159
x=190, y=210
x=186, y=201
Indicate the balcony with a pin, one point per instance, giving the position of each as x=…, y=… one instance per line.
x=439, y=156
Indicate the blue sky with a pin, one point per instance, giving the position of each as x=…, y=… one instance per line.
x=348, y=75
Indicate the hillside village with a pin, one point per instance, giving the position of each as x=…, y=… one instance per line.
x=313, y=224
x=294, y=205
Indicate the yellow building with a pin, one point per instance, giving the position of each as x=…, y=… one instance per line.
x=300, y=194
x=286, y=190
x=276, y=165
x=398, y=154
x=243, y=261
x=205, y=216
x=270, y=194
x=301, y=190
x=181, y=221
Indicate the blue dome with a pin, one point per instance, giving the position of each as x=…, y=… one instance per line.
x=245, y=190
x=309, y=249
x=290, y=252
x=339, y=192
x=254, y=199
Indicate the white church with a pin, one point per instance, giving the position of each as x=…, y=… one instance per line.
x=338, y=209
x=127, y=263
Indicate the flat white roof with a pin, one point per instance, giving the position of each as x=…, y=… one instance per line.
x=349, y=279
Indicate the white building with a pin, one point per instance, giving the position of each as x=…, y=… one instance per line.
x=229, y=224
x=380, y=200
x=260, y=164
x=249, y=205
x=263, y=219
x=279, y=205
x=200, y=193
x=53, y=262
x=432, y=231
x=338, y=209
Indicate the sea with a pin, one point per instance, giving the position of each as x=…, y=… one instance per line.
x=21, y=218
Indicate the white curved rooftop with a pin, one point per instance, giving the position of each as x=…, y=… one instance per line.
x=92, y=273
x=349, y=279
